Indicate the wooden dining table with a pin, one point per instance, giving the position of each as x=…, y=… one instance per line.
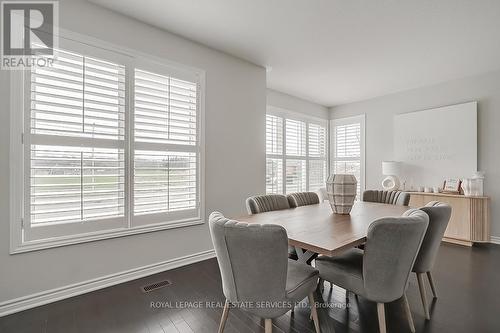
x=315, y=229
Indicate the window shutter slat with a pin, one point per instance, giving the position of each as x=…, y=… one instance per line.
x=274, y=175
x=295, y=176
x=296, y=155
x=295, y=137
x=73, y=184
x=274, y=135
x=164, y=181
x=64, y=98
x=165, y=114
x=317, y=140
x=317, y=174
x=79, y=97
x=347, y=151
x=165, y=109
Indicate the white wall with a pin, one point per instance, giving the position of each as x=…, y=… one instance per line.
x=288, y=102
x=235, y=158
x=379, y=121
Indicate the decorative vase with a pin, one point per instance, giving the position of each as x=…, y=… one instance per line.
x=341, y=190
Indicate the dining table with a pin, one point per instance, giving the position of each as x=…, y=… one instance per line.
x=316, y=229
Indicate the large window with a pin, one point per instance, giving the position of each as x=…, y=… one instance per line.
x=296, y=151
x=348, y=148
x=111, y=146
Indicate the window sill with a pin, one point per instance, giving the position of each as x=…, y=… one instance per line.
x=37, y=245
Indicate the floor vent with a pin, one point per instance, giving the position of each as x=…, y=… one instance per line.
x=154, y=286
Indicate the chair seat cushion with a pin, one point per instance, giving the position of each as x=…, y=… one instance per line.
x=345, y=270
x=301, y=280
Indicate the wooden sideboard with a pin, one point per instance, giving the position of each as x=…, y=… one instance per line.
x=470, y=217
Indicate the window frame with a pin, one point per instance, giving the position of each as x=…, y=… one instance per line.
x=359, y=119
x=288, y=114
x=131, y=59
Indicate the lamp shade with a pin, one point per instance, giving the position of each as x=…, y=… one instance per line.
x=391, y=168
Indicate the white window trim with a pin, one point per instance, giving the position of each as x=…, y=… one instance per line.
x=292, y=115
x=360, y=119
x=16, y=158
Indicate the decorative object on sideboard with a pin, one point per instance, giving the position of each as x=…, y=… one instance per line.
x=341, y=190
x=391, y=169
x=452, y=186
x=479, y=178
x=474, y=186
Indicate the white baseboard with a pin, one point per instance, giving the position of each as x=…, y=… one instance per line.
x=49, y=296
x=495, y=240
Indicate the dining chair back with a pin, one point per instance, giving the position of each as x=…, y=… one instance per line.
x=252, y=259
x=388, y=197
x=265, y=203
x=391, y=249
x=380, y=273
x=302, y=199
x=256, y=273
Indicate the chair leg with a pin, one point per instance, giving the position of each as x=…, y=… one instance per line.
x=421, y=286
x=223, y=319
x=408, y=313
x=381, y=317
x=269, y=325
x=321, y=284
x=314, y=312
x=431, y=282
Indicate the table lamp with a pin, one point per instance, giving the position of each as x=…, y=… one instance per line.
x=391, y=169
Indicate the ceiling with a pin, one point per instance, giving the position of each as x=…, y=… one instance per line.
x=338, y=51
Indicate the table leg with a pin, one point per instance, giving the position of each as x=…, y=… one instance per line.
x=303, y=256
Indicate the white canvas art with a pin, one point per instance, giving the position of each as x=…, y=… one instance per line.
x=436, y=144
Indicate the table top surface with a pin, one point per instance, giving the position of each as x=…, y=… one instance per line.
x=316, y=228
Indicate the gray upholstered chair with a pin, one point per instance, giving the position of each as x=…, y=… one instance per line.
x=381, y=272
x=439, y=216
x=265, y=203
x=255, y=270
x=302, y=199
x=389, y=197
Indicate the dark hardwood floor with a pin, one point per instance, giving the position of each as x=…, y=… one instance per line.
x=467, y=279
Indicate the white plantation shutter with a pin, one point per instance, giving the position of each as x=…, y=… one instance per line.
x=348, y=148
x=295, y=176
x=166, y=148
x=317, y=140
x=274, y=175
x=295, y=143
x=164, y=181
x=348, y=141
x=73, y=184
x=108, y=149
x=317, y=174
x=79, y=96
x=295, y=137
x=274, y=135
x=165, y=109
x=75, y=135
x=317, y=152
x=296, y=151
x=274, y=150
